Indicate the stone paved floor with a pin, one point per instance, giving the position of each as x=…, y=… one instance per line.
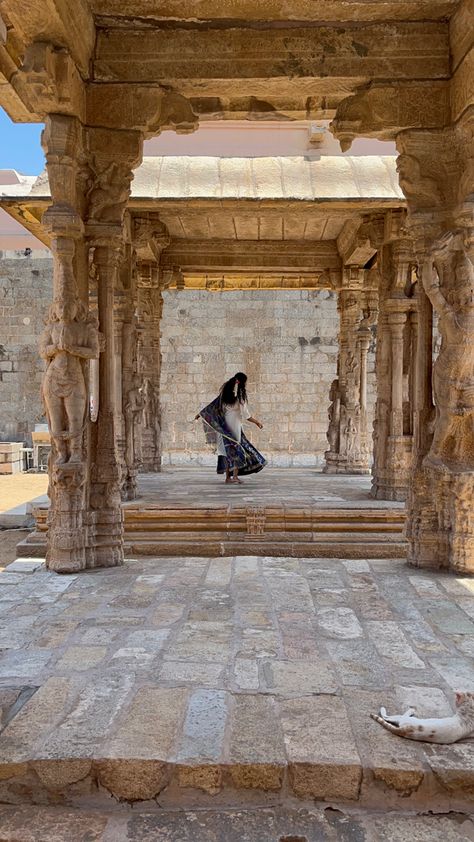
x=39, y=824
x=217, y=676
x=199, y=487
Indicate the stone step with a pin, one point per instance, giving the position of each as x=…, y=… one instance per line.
x=221, y=531
x=202, y=547
x=201, y=746
x=311, y=823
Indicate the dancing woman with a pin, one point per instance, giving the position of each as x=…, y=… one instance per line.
x=223, y=426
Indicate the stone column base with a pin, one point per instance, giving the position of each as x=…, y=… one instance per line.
x=66, y=528
x=440, y=531
x=337, y=464
x=392, y=482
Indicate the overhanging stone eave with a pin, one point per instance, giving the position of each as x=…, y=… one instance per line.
x=18, y=206
x=141, y=203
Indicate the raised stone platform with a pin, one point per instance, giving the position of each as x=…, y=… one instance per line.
x=229, y=681
x=281, y=512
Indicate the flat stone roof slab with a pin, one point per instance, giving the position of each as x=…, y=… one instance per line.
x=296, y=178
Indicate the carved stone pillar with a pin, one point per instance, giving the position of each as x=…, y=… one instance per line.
x=393, y=422
x=347, y=433
x=149, y=311
x=127, y=397
x=112, y=155
x=437, y=176
x=69, y=341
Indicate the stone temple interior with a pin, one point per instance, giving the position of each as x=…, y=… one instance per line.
x=284, y=189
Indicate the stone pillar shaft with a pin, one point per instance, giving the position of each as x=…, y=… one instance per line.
x=149, y=309
x=394, y=364
x=347, y=433
x=437, y=176
x=397, y=324
x=69, y=341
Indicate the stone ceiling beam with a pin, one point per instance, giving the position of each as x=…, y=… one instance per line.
x=276, y=10
x=175, y=278
x=303, y=61
x=252, y=255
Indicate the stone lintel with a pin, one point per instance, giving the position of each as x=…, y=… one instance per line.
x=253, y=255
x=107, y=13
x=204, y=55
x=227, y=281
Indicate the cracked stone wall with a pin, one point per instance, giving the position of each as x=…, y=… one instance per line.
x=286, y=342
x=25, y=295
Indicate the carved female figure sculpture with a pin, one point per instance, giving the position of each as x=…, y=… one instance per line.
x=133, y=410
x=350, y=432
x=69, y=339
x=334, y=414
x=453, y=374
x=149, y=404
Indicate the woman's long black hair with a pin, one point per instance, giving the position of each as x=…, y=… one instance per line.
x=229, y=394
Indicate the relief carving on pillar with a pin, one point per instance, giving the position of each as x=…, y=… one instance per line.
x=422, y=190
x=334, y=416
x=448, y=279
x=350, y=431
x=151, y=409
x=347, y=435
x=109, y=190
x=133, y=411
x=69, y=340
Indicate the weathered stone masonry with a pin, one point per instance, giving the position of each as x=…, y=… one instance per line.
x=25, y=295
x=286, y=340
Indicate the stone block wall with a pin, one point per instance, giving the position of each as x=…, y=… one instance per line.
x=286, y=342
x=25, y=295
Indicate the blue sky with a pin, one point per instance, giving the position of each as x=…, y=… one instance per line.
x=20, y=147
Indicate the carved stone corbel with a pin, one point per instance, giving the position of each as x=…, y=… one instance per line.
x=150, y=109
x=51, y=80
x=382, y=111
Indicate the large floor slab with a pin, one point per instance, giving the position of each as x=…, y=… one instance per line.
x=225, y=681
x=288, y=487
